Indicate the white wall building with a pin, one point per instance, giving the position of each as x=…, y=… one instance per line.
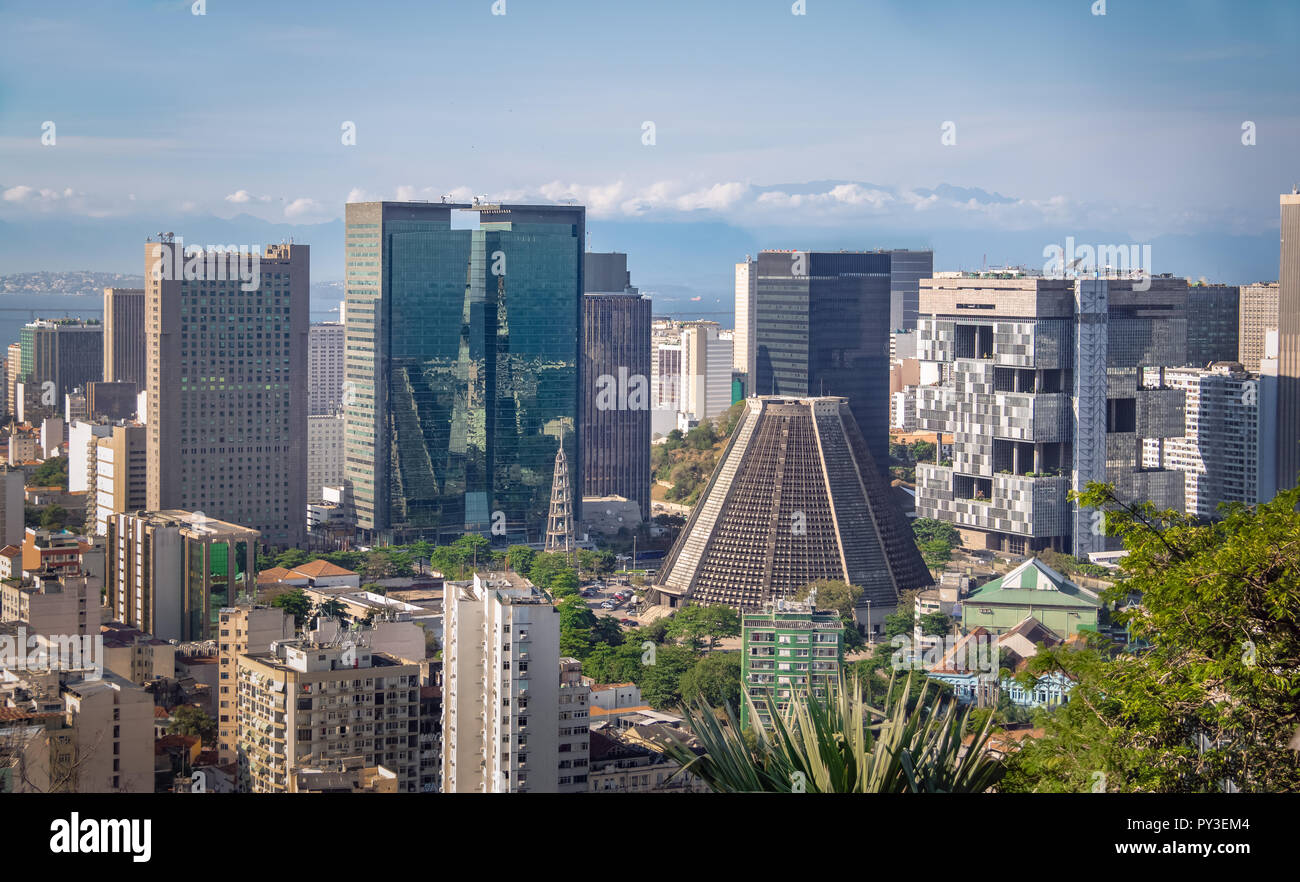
x=746, y=289
x=706, y=371
x=325, y=368
x=324, y=453
x=501, y=687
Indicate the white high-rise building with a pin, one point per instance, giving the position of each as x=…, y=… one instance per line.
x=706, y=371
x=1229, y=415
x=324, y=370
x=501, y=687
x=575, y=728
x=746, y=288
x=324, y=454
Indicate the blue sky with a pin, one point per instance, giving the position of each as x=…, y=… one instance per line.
x=1127, y=124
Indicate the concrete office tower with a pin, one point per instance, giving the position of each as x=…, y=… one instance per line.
x=606, y=273
x=227, y=385
x=820, y=329
x=788, y=649
x=12, y=522
x=706, y=371
x=171, y=572
x=500, y=686
x=1288, y=321
x=1213, y=323
x=124, y=337
x=743, y=341
x=665, y=385
x=245, y=628
x=1219, y=453
x=1040, y=383
x=111, y=401
x=120, y=474
x=575, y=728
x=325, y=466
x=13, y=373
x=463, y=363
x=1258, y=314
x=59, y=356
x=795, y=498
x=305, y=703
x=616, y=397
x=906, y=270
x=325, y=369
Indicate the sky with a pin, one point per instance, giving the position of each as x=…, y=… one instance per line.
x=967, y=126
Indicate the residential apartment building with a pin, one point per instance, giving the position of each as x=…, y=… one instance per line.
x=789, y=648
x=706, y=372
x=120, y=474
x=242, y=629
x=574, y=748
x=325, y=448
x=501, y=688
x=306, y=704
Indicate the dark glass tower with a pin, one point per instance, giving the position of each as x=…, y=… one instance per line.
x=462, y=368
x=616, y=409
x=821, y=327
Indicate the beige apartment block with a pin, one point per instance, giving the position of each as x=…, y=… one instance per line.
x=242, y=629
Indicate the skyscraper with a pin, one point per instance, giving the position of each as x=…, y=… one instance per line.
x=616, y=397
x=742, y=343
x=227, y=385
x=1257, y=315
x=1288, y=319
x=705, y=386
x=124, y=338
x=1213, y=323
x=324, y=368
x=58, y=356
x=463, y=365
x=1044, y=386
x=819, y=328
x=795, y=499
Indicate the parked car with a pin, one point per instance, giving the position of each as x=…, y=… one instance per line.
x=628, y=623
x=608, y=604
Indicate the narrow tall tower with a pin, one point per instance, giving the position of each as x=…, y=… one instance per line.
x=559, y=523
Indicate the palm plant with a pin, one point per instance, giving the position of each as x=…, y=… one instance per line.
x=839, y=745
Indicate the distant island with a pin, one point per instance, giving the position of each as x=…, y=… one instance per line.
x=79, y=283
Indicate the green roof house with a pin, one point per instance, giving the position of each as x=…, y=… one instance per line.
x=1031, y=589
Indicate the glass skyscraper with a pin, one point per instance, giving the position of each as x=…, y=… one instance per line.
x=462, y=366
x=821, y=327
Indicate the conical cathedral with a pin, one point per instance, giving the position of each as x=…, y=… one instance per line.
x=795, y=498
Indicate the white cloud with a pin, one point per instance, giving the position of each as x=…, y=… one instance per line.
x=300, y=207
x=239, y=197
x=42, y=196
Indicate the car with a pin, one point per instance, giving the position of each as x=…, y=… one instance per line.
x=608, y=604
x=629, y=623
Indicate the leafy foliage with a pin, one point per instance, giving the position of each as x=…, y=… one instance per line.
x=1213, y=695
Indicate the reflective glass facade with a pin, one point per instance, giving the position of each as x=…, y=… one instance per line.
x=462, y=366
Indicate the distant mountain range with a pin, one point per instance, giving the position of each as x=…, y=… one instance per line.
x=674, y=261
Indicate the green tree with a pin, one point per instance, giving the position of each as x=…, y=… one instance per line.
x=519, y=558
x=331, y=609
x=545, y=567
x=576, y=624
x=54, y=517
x=187, y=720
x=936, y=624
x=295, y=603
x=51, y=473
x=833, y=594
x=900, y=622
x=697, y=624
x=1211, y=696
x=661, y=681
x=564, y=583
x=607, y=663
x=715, y=678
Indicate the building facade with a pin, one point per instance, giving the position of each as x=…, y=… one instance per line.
x=325, y=368
x=1288, y=324
x=325, y=446
x=1257, y=316
x=124, y=337
x=501, y=688
x=463, y=365
x=616, y=397
x=788, y=649
x=227, y=385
